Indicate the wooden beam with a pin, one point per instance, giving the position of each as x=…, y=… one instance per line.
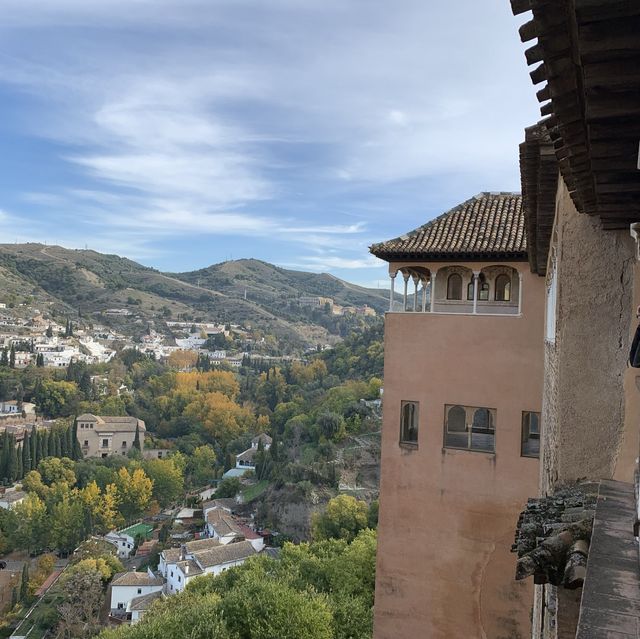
x=528, y=31
x=539, y=74
x=520, y=6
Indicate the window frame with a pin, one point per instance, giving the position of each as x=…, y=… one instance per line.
x=505, y=291
x=449, y=286
x=416, y=419
x=469, y=428
x=538, y=435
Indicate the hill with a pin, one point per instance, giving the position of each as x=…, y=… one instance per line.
x=251, y=292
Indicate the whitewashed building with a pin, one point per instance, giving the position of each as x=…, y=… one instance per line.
x=126, y=586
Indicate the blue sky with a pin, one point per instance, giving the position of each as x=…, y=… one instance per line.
x=181, y=133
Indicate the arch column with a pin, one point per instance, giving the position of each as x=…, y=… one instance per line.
x=475, y=276
x=519, y=293
x=424, y=295
x=405, y=276
x=416, y=279
x=432, y=285
x=392, y=290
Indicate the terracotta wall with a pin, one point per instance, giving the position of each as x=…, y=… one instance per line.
x=447, y=517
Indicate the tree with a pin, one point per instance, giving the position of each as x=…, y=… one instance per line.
x=67, y=524
x=182, y=360
x=262, y=608
x=57, y=469
x=343, y=518
x=220, y=417
x=136, y=439
x=31, y=524
x=134, y=492
x=12, y=357
x=83, y=596
x=49, y=331
x=4, y=357
x=24, y=583
x=57, y=398
x=168, y=480
x=201, y=465
x=228, y=487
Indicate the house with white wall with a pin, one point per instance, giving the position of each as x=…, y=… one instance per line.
x=210, y=560
x=138, y=606
x=126, y=586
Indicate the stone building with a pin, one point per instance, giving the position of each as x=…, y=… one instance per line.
x=461, y=423
x=581, y=191
x=100, y=436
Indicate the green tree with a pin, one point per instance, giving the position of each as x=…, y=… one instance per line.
x=136, y=439
x=201, y=465
x=134, y=492
x=343, y=518
x=168, y=480
x=67, y=524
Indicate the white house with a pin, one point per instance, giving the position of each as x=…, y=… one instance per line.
x=139, y=605
x=246, y=459
x=126, y=586
x=11, y=407
x=203, y=560
x=122, y=541
x=12, y=498
x=227, y=529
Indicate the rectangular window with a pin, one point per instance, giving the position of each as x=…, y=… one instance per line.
x=470, y=427
x=530, y=434
x=552, y=292
x=86, y=442
x=105, y=443
x=139, y=591
x=409, y=423
x=124, y=444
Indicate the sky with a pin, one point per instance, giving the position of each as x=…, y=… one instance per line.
x=182, y=133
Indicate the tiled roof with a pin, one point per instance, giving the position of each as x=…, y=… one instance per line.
x=222, y=503
x=222, y=522
x=262, y=437
x=247, y=455
x=489, y=225
x=136, y=579
x=143, y=602
x=112, y=422
x=190, y=567
x=225, y=554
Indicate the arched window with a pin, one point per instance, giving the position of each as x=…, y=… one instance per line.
x=455, y=434
x=503, y=288
x=409, y=423
x=482, y=430
x=470, y=290
x=454, y=287
x=483, y=292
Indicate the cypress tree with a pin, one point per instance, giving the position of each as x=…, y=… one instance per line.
x=63, y=444
x=42, y=449
x=33, y=440
x=47, y=444
x=4, y=456
x=24, y=582
x=4, y=358
x=19, y=464
x=12, y=460
x=51, y=444
x=77, y=451
x=57, y=444
x=26, y=454
x=68, y=437
x=12, y=357
x=136, y=440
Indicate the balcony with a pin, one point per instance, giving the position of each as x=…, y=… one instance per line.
x=493, y=290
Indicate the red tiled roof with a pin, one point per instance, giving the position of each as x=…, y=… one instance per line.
x=489, y=225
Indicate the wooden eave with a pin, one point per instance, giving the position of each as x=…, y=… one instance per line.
x=588, y=67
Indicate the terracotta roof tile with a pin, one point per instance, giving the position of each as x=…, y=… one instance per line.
x=224, y=554
x=488, y=225
x=136, y=579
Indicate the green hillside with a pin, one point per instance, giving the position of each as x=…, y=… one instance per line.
x=244, y=291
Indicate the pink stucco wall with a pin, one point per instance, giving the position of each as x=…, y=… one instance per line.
x=447, y=517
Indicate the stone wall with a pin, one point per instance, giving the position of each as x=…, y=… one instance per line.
x=584, y=399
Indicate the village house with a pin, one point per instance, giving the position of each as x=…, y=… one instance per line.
x=101, y=436
x=126, y=586
x=138, y=606
x=201, y=557
x=246, y=459
x=11, y=498
x=461, y=423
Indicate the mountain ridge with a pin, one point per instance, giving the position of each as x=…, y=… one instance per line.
x=88, y=283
